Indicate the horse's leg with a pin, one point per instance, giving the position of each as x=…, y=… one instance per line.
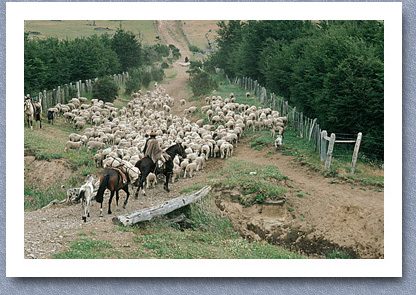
x=101, y=209
x=109, y=202
x=166, y=186
x=84, y=217
x=117, y=198
x=126, y=189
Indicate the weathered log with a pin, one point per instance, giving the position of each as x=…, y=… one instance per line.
x=162, y=209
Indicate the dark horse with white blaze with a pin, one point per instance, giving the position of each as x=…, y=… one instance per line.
x=146, y=166
x=112, y=179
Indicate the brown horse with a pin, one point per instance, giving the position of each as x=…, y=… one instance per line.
x=112, y=179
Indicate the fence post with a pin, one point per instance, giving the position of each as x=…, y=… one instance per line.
x=78, y=90
x=301, y=125
x=323, y=145
x=330, y=150
x=355, y=154
x=313, y=125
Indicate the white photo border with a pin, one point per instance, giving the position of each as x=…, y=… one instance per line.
x=390, y=266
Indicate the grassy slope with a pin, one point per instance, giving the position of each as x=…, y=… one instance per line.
x=72, y=29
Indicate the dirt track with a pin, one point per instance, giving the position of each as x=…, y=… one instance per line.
x=328, y=213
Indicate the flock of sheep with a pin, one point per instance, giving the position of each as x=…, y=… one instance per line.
x=119, y=135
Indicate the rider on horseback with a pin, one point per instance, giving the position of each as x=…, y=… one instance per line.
x=153, y=150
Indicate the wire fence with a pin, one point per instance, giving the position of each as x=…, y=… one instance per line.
x=64, y=93
x=309, y=129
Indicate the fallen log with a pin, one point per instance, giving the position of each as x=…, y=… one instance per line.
x=162, y=209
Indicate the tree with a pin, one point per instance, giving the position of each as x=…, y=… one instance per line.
x=128, y=49
x=105, y=89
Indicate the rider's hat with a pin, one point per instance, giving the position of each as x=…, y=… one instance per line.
x=152, y=133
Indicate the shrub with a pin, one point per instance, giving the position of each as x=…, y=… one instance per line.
x=202, y=83
x=105, y=89
x=157, y=74
x=165, y=65
x=147, y=78
x=134, y=83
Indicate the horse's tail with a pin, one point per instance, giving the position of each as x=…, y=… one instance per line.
x=103, y=185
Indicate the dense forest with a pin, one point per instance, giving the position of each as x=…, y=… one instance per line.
x=51, y=62
x=330, y=70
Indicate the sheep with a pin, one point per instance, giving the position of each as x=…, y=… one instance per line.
x=98, y=159
x=247, y=94
x=190, y=168
x=79, y=124
x=151, y=180
x=74, y=137
x=72, y=145
x=95, y=145
x=182, y=102
x=200, y=161
x=176, y=173
x=279, y=141
x=184, y=164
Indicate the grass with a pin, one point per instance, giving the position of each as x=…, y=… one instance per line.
x=210, y=236
x=87, y=249
x=48, y=144
x=71, y=29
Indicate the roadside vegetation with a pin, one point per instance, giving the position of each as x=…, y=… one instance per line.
x=207, y=235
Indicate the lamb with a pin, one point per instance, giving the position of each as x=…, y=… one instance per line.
x=190, y=168
x=73, y=145
x=74, y=137
x=79, y=124
x=200, y=161
x=95, y=145
x=184, y=164
x=182, y=102
x=176, y=173
x=98, y=159
x=151, y=180
x=279, y=140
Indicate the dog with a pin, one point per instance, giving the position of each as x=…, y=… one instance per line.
x=72, y=194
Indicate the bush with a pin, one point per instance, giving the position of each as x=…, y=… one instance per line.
x=147, y=78
x=105, y=89
x=195, y=49
x=157, y=74
x=134, y=83
x=202, y=83
x=165, y=65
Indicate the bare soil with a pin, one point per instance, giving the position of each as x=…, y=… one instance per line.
x=319, y=215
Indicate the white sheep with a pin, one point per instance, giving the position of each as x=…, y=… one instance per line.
x=190, y=168
x=200, y=161
x=151, y=180
x=73, y=145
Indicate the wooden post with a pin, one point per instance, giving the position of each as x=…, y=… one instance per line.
x=330, y=150
x=313, y=125
x=58, y=97
x=323, y=145
x=78, y=90
x=355, y=154
x=44, y=94
x=301, y=125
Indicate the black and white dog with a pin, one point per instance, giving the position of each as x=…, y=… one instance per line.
x=72, y=194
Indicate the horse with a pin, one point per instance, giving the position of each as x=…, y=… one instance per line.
x=33, y=111
x=146, y=166
x=85, y=194
x=112, y=179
